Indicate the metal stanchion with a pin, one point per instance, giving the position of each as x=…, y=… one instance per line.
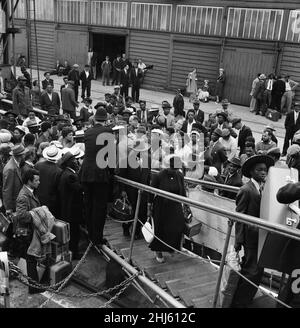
x=230, y=225
x=136, y=216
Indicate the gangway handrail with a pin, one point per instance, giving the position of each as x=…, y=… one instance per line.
x=235, y=216
x=231, y=217
x=208, y=183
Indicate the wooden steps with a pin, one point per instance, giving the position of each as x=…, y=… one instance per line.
x=186, y=278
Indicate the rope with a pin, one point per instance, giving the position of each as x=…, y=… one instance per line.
x=258, y=287
x=178, y=251
x=69, y=276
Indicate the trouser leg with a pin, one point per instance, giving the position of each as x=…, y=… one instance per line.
x=88, y=90
x=245, y=291
x=31, y=264
x=83, y=91
x=286, y=143
x=289, y=100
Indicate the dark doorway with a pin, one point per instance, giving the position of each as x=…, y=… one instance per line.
x=107, y=45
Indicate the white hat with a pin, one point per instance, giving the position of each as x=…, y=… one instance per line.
x=118, y=127
x=157, y=131
x=76, y=151
x=57, y=144
x=213, y=171
x=52, y=153
x=154, y=108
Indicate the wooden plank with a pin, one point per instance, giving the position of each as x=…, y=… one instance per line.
x=191, y=270
x=165, y=267
x=204, y=302
x=195, y=292
x=188, y=282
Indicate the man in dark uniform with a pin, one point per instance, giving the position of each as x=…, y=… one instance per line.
x=248, y=202
x=199, y=114
x=117, y=67
x=95, y=180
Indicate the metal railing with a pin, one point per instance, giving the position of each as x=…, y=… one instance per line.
x=231, y=216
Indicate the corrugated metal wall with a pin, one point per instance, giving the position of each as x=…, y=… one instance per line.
x=290, y=63
x=241, y=67
x=72, y=46
x=153, y=49
x=187, y=56
x=45, y=45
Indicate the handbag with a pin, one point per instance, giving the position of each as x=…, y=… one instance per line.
x=148, y=230
x=187, y=213
x=121, y=210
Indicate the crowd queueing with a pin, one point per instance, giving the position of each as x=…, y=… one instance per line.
x=52, y=159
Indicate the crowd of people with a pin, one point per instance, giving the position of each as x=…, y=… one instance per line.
x=49, y=158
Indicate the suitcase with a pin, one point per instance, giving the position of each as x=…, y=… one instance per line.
x=193, y=228
x=59, y=271
x=67, y=256
x=58, y=250
x=61, y=230
x=273, y=115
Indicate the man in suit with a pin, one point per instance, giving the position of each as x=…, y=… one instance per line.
x=21, y=98
x=278, y=91
x=96, y=176
x=124, y=80
x=244, y=133
x=86, y=77
x=222, y=123
x=75, y=77
x=65, y=79
x=12, y=178
x=117, y=67
x=69, y=102
x=187, y=125
x=136, y=76
x=215, y=155
x=292, y=125
x=142, y=112
x=199, y=114
x=50, y=101
x=27, y=201
x=47, y=81
x=48, y=191
x=71, y=199
x=178, y=102
x=248, y=202
x=106, y=69
x=233, y=177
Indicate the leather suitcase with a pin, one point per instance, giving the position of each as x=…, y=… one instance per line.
x=59, y=271
x=272, y=115
x=61, y=230
x=193, y=228
x=58, y=250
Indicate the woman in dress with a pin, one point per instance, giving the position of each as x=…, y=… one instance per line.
x=220, y=85
x=191, y=85
x=169, y=222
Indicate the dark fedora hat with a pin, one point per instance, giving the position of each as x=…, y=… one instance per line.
x=101, y=114
x=100, y=104
x=166, y=104
x=235, y=161
x=236, y=121
x=253, y=160
x=65, y=158
x=218, y=132
x=224, y=115
x=46, y=73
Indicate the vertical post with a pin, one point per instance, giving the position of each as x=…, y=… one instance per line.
x=228, y=234
x=136, y=216
x=13, y=37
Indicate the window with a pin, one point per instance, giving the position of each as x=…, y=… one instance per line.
x=262, y=24
x=151, y=16
x=199, y=20
x=293, y=30
x=44, y=10
x=110, y=13
x=72, y=11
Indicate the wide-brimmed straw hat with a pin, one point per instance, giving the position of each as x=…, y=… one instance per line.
x=52, y=153
x=253, y=160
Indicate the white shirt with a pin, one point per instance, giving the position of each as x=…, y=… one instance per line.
x=296, y=114
x=288, y=86
x=230, y=146
x=189, y=127
x=31, y=190
x=270, y=84
x=256, y=184
x=49, y=95
x=87, y=74
x=142, y=66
